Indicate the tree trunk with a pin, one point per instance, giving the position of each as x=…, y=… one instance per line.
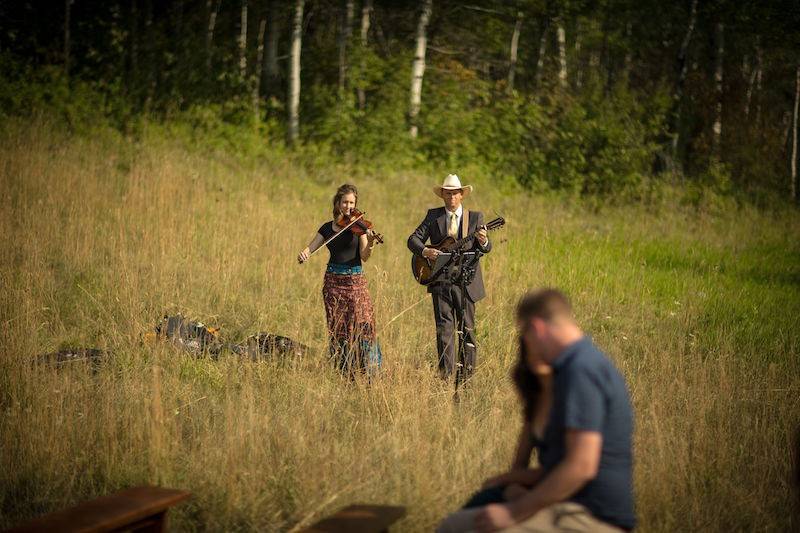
x=366, y=12
x=67, y=13
x=793, y=166
x=753, y=76
x=683, y=66
x=719, y=35
x=345, y=34
x=273, y=37
x=542, y=50
x=134, y=44
x=180, y=49
x=150, y=54
x=512, y=63
x=759, y=70
x=259, y=66
x=212, y=8
x=418, y=67
x=243, y=41
x=562, y=53
x=578, y=68
x=294, y=72
x=628, y=62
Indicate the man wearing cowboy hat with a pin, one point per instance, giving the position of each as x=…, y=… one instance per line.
x=439, y=223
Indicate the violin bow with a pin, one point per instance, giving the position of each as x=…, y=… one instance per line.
x=359, y=217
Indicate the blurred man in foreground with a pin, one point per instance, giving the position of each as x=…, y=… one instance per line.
x=584, y=482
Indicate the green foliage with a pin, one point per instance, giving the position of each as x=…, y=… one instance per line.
x=26, y=91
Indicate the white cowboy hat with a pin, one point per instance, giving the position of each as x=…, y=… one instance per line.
x=451, y=183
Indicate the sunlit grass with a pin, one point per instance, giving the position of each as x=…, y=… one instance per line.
x=101, y=236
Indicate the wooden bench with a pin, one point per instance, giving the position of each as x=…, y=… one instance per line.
x=137, y=509
x=359, y=519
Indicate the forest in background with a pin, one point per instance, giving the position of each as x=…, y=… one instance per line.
x=593, y=98
x=148, y=161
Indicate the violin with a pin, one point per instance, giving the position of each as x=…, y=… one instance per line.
x=360, y=226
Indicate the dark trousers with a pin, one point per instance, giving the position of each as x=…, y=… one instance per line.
x=447, y=303
x=486, y=497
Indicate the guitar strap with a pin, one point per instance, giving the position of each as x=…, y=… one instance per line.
x=464, y=223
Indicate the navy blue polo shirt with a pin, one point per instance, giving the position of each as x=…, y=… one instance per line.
x=590, y=395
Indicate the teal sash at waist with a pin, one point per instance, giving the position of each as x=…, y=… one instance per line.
x=346, y=270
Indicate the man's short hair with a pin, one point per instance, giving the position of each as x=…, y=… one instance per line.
x=546, y=304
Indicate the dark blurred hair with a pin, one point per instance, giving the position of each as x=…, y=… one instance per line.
x=340, y=192
x=527, y=384
x=544, y=304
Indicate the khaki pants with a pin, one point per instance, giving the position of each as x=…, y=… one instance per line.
x=562, y=517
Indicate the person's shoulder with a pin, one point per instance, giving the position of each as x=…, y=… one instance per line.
x=588, y=358
x=594, y=362
x=326, y=227
x=435, y=211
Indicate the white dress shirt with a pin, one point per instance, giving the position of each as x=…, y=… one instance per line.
x=459, y=212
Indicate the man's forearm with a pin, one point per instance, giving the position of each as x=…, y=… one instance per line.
x=522, y=455
x=561, y=483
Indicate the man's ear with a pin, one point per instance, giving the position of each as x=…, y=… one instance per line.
x=539, y=326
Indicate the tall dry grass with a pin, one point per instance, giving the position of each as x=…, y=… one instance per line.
x=102, y=235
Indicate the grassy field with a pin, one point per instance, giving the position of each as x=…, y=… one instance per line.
x=100, y=236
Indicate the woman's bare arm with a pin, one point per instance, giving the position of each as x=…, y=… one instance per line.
x=520, y=471
x=315, y=243
x=522, y=456
x=365, y=244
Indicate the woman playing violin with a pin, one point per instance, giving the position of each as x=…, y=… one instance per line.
x=348, y=307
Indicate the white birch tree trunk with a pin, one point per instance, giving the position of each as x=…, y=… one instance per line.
x=512, y=60
x=793, y=166
x=243, y=41
x=366, y=13
x=562, y=53
x=753, y=76
x=418, y=67
x=294, y=72
x=719, y=34
x=345, y=34
x=542, y=51
x=213, y=9
x=273, y=37
x=262, y=26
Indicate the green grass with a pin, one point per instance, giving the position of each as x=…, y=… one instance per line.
x=102, y=235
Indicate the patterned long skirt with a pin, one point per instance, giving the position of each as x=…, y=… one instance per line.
x=351, y=323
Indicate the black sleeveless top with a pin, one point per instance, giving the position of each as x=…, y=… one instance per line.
x=344, y=249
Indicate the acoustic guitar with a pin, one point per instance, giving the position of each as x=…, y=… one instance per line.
x=422, y=268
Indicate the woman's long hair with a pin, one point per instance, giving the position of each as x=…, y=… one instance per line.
x=347, y=188
x=527, y=384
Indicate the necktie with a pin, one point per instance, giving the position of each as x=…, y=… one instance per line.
x=452, y=228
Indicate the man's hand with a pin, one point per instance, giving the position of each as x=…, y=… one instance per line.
x=514, y=492
x=430, y=253
x=483, y=238
x=494, y=517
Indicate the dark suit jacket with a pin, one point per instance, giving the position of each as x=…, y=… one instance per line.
x=434, y=227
